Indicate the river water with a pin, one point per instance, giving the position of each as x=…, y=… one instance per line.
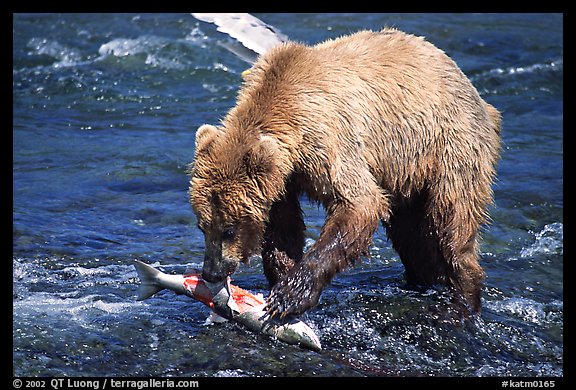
x=105, y=107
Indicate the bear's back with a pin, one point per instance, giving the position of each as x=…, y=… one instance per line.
x=387, y=96
x=386, y=70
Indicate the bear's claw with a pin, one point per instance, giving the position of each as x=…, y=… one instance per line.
x=292, y=295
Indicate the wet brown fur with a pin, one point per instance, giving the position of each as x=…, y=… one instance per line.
x=376, y=126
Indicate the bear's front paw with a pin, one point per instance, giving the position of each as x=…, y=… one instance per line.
x=294, y=293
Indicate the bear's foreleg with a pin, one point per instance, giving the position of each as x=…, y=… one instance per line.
x=345, y=237
x=283, y=241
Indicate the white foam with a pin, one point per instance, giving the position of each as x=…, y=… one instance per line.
x=123, y=47
x=64, y=289
x=81, y=271
x=528, y=309
x=549, y=240
x=549, y=66
x=64, y=55
x=110, y=307
x=45, y=303
x=230, y=373
x=149, y=46
x=196, y=35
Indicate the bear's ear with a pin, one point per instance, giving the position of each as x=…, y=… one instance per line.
x=205, y=136
x=259, y=160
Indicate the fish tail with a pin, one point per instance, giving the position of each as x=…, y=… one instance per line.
x=148, y=280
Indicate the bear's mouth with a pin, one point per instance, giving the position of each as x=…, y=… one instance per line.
x=224, y=270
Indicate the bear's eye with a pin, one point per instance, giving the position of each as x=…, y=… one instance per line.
x=228, y=234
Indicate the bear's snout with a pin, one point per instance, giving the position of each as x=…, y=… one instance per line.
x=217, y=270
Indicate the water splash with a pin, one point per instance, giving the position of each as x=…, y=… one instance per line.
x=529, y=310
x=551, y=66
x=550, y=240
x=64, y=55
x=157, y=51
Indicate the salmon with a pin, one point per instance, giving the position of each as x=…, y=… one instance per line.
x=228, y=301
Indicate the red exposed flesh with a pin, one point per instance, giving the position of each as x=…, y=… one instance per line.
x=196, y=286
x=244, y=299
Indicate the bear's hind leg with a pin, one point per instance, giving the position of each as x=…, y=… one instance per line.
x=416, y=243
x=438, y=248
x=457, y=219
x=283, y=243
x=460, y=248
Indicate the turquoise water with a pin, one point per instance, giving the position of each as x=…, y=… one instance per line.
x=105, y=107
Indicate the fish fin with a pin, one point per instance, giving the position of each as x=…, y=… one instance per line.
x=148, y=285
x=214, y=318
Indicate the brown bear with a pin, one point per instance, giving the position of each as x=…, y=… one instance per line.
x=376, y=126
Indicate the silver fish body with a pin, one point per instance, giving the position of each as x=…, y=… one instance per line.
x=292, y=331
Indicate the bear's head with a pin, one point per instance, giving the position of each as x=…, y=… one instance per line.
x=234, y=181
